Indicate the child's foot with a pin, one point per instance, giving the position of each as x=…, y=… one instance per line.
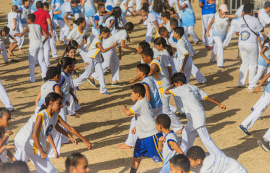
x=61, y=42
x=76, y=115
x=21, y=52
x=197, y=42
x=244, y=130
x=80, y=110
x=77, y=88
x=123, y=146
x=116, y=84
x=249, y=90
x=264, y=144
x=106, y=93
x=180, y=131
x=210, y=47
x=92, y=82
x=6, y=62
x=10, y=53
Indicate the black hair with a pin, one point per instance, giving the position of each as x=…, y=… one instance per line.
x=31, y=16
x=25, y=1
x=178, y=77
x=145, y=9
x=195, y=153
x=174, y=22
x=172, y=9
x=144, y=68
x=145, y=5
x=45, y=4
x=164, y=120
x=162, y=30
x=14, y=7
x=50, y=97
x=100, y=1
x=3, y=111
x=158, y=6
x=116, y=13
x=166, y=14
x=148, y=52
x=52, y=72
x=162, y=41
x=75, y=1
x=79, y=20
x=138, y=89
x=179, y=30
x=6, y=29
x=266, y=41
x=104, y=29
x=144, y=44
x=15, y=167
x=73, y=160
x=64, y=62
x=100, y=6
x=181, y=161
x=39, y=4
x=129, y=27
x=248, y=7
x=73, y=43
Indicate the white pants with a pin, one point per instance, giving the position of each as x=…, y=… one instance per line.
x=206, y=19
x=36, y=52
x=64, y=30
x=261, y=70
x=149, y=32
x=42, y=165
x=4, y=51
x=57, y=140
x=132, y=138
x=4, y=97
x=217, y=51
x=171, y=2
x=89, y=21
x=249, y=56
x=73, y=107
x=259, y=109
x=46, y=49
x=20, y=153
x=99, y=75
x=63, y=115
x=187, y=69
x=197, y=74
x=21, y=28
x=191, y=32
x=18, y=39
x=53, y=45
x=267, y=135
x=230, y=33
x=188, y=138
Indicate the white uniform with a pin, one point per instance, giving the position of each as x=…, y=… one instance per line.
x=162, y=84
x=26, y=146
x=107, y=23
x=76, y=35
x=89, y=9
x=221, y=164
x=36, y=51
x=23, y=23
x=4, y=98
x=11, y=16
x=52, y=40
x=124, y=12
x=166, y=61
x=196, y=123
x=3, y=155
x=248, y=45
x=2, y=45
x=150, y=26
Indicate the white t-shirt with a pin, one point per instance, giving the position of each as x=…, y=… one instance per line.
x=182, y=49
x=34, y=35
x=264, y=17
x=191, y=96
x=23, y=13
x=144, y=119
x=221, y=164
x=3, y=155
x=246, y=36
x=165, y=61
x=120, y=35
x=93, y=51
x=76, y=35
x=2, y=38
x=11, y=16
x=168, y=26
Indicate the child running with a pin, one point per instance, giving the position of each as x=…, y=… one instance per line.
x=4, y=34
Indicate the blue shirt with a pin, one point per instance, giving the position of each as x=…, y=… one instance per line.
x=267, y=88
x=209, y=6
x=17, y=2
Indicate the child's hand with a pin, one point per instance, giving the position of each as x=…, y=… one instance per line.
x=133, y=131
x=73, y=140
x=134, y=50
x=16, y=34
x=59, y=12
x=267, y=61
x=131, y=81
x=85, y=64
x=76, y=100
x=158, y=58
x=223, y=107
x=181, y=70
x=10, y=147
x=88, y=144
x=55, y=154
x=123, y=107
x=161, y=139
x=207, y=34
x=9, y=132
x=13, y=29
x=43, y=155
x=84, y=42
x=115, y=44
x=257, y=90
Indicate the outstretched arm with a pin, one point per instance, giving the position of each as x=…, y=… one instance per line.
x=223, y=107
x=126, y=110
x=257, y=89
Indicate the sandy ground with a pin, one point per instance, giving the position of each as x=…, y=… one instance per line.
x=105, y=125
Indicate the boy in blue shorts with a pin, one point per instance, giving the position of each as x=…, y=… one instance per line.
x=145, y=128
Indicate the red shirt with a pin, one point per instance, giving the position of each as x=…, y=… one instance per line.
x=41, y=19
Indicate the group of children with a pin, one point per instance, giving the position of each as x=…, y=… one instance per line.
x=164, y=71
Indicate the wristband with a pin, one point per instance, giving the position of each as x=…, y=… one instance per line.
x=6, y=134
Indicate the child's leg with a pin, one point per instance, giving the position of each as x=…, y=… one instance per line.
x=20, y=153
x=135, y=164
x=230, y=33
x=149, y=32
x=42, y=165
x=21, y=28
x=261, y=106
x=46, y=50
x=244, y=66
x=208, y=142
x=253, y=62
x=66, y=31
x=4, y=51
x=197, y=74
x=214, y=53
x=115, y=69
x=260, y=71
x=187, y=69
x=192, y=34
x=132, y=138
x=4, y=97
x=138, y=5
x=41, y=61
x=53, y=45
x=86, y=74
x=219, y=52
x=179, y=104
x=99, y=71
x=188, y=138
x=63, y=115
x=31, y=58
x=267, y=135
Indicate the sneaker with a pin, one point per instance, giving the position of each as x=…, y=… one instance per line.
x=183, y=115
x=244, y=130
x=77, y=88
x=263, y=144
x=251, y=110
x=221, y=67
x=91, y=81
x=117, y=84
x=106, y=93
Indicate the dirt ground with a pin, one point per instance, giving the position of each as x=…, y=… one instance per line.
x=105, y=125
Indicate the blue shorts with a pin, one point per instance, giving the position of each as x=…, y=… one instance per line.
x=148, y=147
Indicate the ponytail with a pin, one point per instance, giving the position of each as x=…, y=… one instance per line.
x=52, y=72
x=116, y=13
x=79, y=21
x=64, y=62
x=162, y=41
x=50, y=97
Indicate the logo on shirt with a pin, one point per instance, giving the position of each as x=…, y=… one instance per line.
x=211, y=1
x=49, y=129
x=155, y=159
x=245, y=35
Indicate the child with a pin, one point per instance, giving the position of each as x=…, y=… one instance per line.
x=124, y=7
x=5, y=119
x=169, y=143
x=219, y=32
x=98, y=20
x=180, y=164
x=24, y=10
x=166, y=16
x=213, y=163
x=35, y=46
x=157, y=72
x=13, y=24
x=146, y=130
x=31, y=139
x=94, y=59
x=114, y=21
x=258, y=109
x=263, y=63
x=76, y=163
x=4, y=98
x=152, y=96
x=4, y=34
x=89, y=10
x=15, y=167
x=196, y=123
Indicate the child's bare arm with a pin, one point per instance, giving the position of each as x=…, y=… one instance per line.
x=147, y=92
x=161, y=141
x=133, y=80
x=153, y=69
x=167, y=90
x=50, y=140
x=82, y=65
x=5, y=137
x=13, y=39
x=184, y=63
x=45, y=34
x=37, y=126
x=107, y=49
x=209, y=27
x=223, y=107
x=257, y=89
x=176, y=147
x=57, y=12
x=20, y=34
x=15, y=24
x=126, y=110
